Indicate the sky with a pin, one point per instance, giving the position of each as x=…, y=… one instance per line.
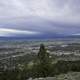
x=39, y=17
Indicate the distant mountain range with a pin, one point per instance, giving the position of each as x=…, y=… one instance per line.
x=45, y=36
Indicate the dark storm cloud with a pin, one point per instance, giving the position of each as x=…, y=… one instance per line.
x=43, y=16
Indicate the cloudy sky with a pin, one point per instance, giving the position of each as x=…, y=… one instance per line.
x=37, y=17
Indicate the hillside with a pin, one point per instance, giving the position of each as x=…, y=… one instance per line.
x=68, y=76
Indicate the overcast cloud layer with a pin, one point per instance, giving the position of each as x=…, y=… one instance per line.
x=40, y=16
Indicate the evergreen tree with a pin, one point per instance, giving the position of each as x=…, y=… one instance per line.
x=43, y=55
x=44, y=62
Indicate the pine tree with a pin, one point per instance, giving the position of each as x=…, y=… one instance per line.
x=43, y=55
x=44, y=62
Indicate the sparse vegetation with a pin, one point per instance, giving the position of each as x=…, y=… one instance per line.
x=40, y=64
